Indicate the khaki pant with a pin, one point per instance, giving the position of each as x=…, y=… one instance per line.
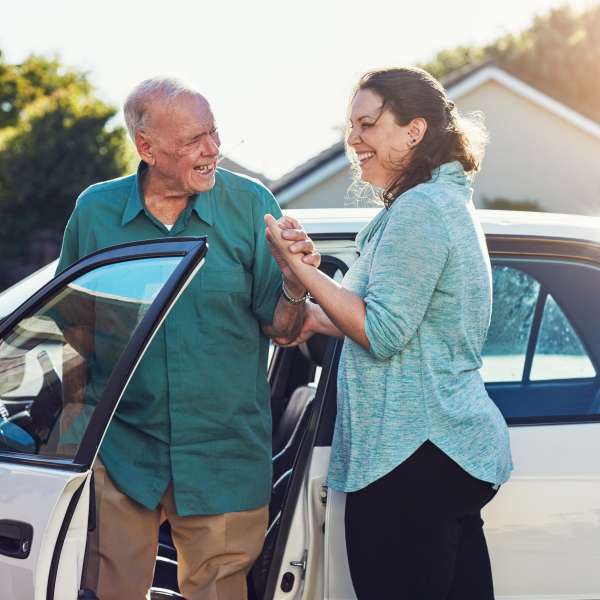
x=214, y=552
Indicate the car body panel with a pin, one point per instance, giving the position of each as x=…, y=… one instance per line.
x=40, y=497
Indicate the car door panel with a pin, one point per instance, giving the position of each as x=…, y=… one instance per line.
x=542, y=528
x=129, y=290
x=39, y=497
x=518, y=404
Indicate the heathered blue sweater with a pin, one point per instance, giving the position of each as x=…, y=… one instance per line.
x=425, y=277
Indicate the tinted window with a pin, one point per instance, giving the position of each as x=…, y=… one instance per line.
x=559, y=353
x=515, y=297
x=54, y=364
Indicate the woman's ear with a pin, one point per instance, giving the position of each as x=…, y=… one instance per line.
x=416, y=130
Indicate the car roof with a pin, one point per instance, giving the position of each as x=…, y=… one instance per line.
x=346, y=222
x=498, y=222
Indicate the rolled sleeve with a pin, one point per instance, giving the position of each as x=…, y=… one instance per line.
x=266, y=275
x=406, y=268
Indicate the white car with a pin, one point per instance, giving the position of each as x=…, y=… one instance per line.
x=541, y=365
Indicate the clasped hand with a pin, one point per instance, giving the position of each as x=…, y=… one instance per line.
x=289, y=243
x=292, y=248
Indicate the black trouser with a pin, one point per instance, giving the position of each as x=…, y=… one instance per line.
x=416, y=533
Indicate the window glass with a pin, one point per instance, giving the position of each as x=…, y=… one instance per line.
x=559, y=353
x=54, y=364
x=515, y=298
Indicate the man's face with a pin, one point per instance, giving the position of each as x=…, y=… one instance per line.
x=184, y=143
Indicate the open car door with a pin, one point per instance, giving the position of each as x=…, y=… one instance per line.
x=66, y=356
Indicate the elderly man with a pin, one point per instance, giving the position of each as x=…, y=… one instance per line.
x=191, y=439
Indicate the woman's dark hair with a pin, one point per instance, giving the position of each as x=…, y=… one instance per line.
x=408, y=93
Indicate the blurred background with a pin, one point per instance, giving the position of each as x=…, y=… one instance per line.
x=279, y=77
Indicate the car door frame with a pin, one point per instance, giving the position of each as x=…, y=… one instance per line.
x=192, y=251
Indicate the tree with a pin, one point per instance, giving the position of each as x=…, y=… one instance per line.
x=500, y=203
x=55, y=140
x=558, y=54
x=451, y=61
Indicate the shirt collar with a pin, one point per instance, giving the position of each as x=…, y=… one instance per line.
x=135, y=202
x=452, y=171
x=201, y=203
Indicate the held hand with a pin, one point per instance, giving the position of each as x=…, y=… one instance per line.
x=293, y=232
x=307, y=331
x=277, y=247
x=287, y=238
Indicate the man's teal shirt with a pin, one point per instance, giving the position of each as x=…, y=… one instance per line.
x=197, y=410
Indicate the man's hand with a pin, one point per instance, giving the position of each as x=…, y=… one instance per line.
x=307, y=331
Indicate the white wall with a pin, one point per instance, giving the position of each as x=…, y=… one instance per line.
x=533, y=154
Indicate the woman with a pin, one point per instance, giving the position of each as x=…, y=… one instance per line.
x=418, y=446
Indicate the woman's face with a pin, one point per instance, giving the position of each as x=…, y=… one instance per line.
x=382, y=146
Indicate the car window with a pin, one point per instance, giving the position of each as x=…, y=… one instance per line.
x=515, y=295
x=56, y=362
x=559, y=353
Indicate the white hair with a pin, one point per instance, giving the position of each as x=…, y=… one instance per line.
x=136, y=106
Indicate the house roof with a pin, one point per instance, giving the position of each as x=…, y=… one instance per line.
x=459, y=83
x=231, y=165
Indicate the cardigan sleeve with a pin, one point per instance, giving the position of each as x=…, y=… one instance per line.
x=407, y=264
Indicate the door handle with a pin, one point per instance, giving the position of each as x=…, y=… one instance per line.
x=15, y=538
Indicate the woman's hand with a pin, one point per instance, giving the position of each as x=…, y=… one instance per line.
x=288, y=242
x=345, y=310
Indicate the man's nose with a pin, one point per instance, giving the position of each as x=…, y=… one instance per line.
x=210, y=145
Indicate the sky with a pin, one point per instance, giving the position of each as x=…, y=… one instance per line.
x=278, y=74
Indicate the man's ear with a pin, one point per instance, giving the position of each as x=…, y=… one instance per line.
x=417, y=128
x=145, y=148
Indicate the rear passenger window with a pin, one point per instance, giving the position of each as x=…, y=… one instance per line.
x=515, y=298
x=559, y=353
x=536, y=363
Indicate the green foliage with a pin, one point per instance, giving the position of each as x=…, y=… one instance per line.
x=501, y=203
x=55, y=140
x=559, y=54
x=451, y=61
x=20, y=85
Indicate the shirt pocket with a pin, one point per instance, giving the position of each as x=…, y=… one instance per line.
x=223, y=304
x=234, y=281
